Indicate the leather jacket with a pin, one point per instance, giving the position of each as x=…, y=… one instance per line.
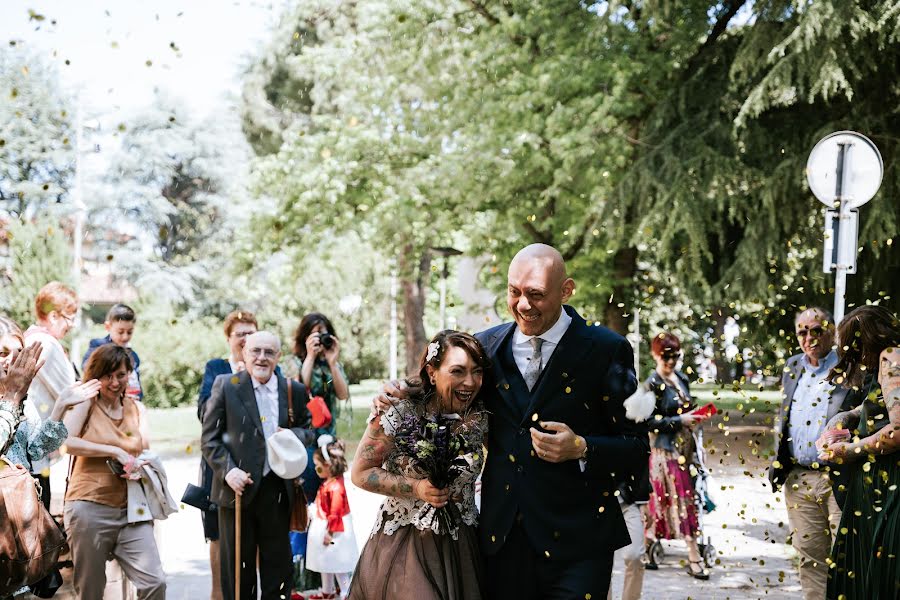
x=665, y=422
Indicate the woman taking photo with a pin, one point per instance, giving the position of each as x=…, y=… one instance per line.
x=865, y=440
x=318, y=349
x=411, y=553
x=111, y=434
x=673, y=511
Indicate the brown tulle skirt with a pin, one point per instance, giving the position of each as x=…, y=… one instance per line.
x=412, y=563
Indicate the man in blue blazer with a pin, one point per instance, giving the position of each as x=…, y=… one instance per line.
x=559, y=443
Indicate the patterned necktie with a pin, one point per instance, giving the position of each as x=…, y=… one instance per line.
x=533, y=370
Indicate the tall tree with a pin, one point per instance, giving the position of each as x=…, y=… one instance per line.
x=36, y=135
x=38, y=253
x=170, y=194
x=673, y=133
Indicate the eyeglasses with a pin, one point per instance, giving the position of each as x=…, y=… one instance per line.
x=815, y=332
x=241, y=334
x=671, y=356
x=70, y=319
x=265, y=352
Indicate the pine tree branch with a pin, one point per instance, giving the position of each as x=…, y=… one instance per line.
x=484, y=12
x=722, y=22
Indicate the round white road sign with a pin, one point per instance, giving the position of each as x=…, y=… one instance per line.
x=855, y=173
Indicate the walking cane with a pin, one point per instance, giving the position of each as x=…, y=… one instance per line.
x=237, y=547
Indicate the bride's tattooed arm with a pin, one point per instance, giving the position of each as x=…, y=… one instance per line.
x=367, y=472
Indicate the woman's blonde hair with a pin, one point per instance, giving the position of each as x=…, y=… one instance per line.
x=55, y=296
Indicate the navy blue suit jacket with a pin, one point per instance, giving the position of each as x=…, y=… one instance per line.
x=567, y=513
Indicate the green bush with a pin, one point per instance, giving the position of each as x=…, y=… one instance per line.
x=38, y=254
x=173, y=352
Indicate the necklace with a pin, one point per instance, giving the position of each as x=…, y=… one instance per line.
x=110, y=410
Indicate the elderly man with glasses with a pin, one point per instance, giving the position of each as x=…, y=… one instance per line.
x=243, y=411
x=809, y=401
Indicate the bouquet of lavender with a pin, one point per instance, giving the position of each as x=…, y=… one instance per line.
x=437, y=446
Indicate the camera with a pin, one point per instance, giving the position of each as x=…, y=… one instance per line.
x=327, y=340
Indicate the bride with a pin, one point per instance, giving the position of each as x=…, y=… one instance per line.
x=413, y=552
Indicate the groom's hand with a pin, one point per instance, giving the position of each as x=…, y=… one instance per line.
x=560, y=445
x=391, y=391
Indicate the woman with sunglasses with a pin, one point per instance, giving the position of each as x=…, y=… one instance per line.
x=865, y=558
x=672, y=507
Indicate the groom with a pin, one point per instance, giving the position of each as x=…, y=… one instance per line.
x=559, y=442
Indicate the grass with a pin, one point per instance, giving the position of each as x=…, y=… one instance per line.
x=736, y=399
x=177, y=430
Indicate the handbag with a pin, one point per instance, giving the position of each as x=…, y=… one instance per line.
x=198, y=497
x=321, y=416
x=30, y=540
x=299, y=515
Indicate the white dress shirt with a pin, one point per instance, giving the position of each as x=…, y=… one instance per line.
x=267, y=403
x=809, y=408
x=521, y=343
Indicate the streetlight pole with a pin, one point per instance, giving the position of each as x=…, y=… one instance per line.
x=392, y=336
x=445, y=252
x=78, y=201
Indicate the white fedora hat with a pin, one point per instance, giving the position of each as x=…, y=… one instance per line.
x=287, y=454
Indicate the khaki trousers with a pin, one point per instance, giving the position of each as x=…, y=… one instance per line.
x=814, y=517
x=632, y=553
x=97, y=533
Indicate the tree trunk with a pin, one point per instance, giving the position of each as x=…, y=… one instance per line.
x=724, y=370
x=624, y=270
x=415, y=274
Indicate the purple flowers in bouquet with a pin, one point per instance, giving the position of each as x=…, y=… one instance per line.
x=436, y=445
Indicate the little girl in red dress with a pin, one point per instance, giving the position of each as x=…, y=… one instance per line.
x=331, y=546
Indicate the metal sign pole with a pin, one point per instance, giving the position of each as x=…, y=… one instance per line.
x=840, y=270
x=843, y=188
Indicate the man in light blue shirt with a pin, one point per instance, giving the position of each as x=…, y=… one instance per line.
x=809, y=401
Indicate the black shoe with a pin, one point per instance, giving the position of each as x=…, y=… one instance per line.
x=702, y=574
x=651, y=566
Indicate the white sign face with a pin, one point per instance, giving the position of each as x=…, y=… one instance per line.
x=861, y=174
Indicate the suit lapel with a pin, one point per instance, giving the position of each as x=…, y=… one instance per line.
x=282, y=402
x=502, y=375
x=796, y=370
x=248, y=399
x=570, y=351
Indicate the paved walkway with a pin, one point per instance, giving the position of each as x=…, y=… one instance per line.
x=747, y=529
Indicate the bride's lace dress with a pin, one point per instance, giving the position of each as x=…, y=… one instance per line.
x=399, y=512
x=406, y=555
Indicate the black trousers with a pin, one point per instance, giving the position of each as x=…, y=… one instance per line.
x=264, y=530
x=519, y=572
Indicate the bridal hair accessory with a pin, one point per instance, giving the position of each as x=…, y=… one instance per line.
x=323, y=442
x=433, y=349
